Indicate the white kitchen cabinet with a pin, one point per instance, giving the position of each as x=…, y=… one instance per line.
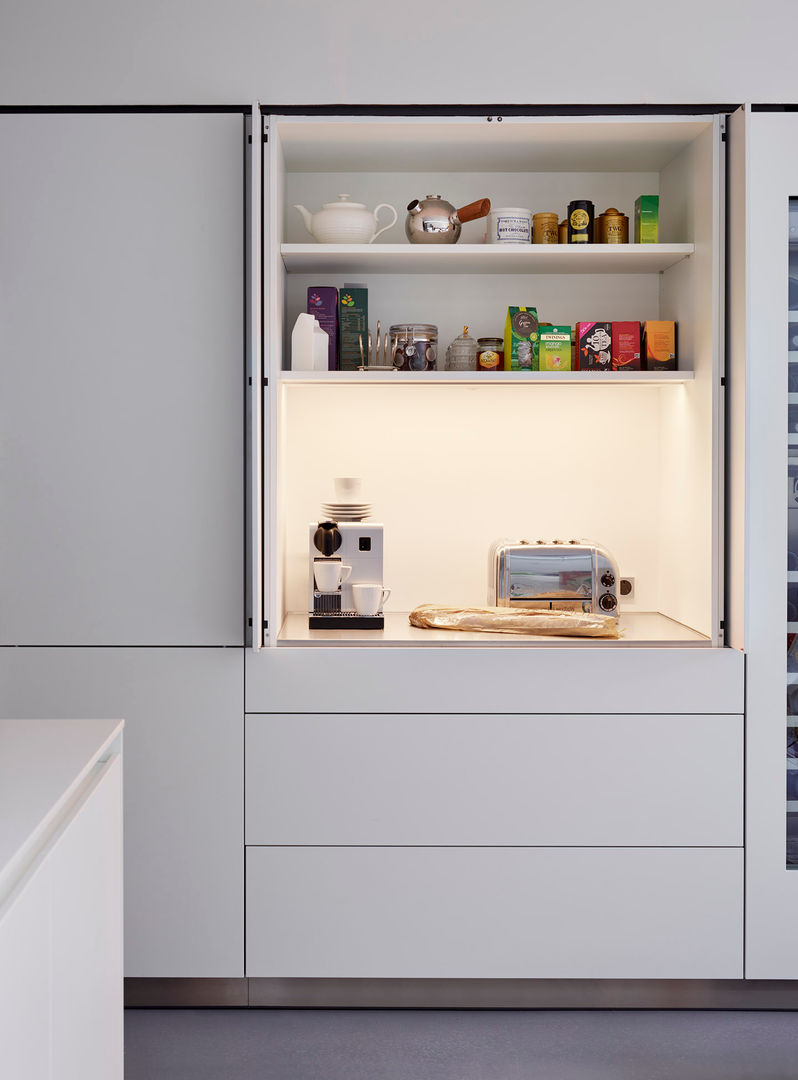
x=123, y=364
x=764, y=314
x=495, y=781
x=184, y=751
x=429, y=805
x=501, y=913
x=61, y=977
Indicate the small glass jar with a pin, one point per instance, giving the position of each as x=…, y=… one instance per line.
x=462, y=353
x=490, y=354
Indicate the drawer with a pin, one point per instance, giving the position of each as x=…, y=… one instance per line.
x=495, y=780
x=499, y=913
x=576, y=679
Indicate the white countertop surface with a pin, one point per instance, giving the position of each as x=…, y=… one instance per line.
x=640, y=629
x=42, y=764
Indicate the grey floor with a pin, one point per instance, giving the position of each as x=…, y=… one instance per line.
x=342, y=1044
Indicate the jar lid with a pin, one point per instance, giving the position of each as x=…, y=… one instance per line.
x=490, y=341
x=547, y=214
x=414, y=328
x=510, y=210
x=342, y=204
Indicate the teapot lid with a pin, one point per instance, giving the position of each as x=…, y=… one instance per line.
x=342, y=204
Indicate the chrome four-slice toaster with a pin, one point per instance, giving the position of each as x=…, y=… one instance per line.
x=559, y=574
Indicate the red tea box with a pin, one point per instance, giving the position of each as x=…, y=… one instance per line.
x=595, y=343
x=626, y=346
x=323, y=305
x=659, y=345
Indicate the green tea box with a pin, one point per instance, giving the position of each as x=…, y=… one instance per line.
x=353, y=327
x=521, y=339
x=647, y=219
x=555, y=348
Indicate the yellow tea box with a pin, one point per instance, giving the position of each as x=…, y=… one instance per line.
x=521, y=339
x=659, y=345
x=555, y=348
x=647, y=219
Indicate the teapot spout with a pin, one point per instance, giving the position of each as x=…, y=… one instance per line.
x=307, y=217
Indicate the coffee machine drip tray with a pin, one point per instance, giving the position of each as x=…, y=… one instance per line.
x=345, y=620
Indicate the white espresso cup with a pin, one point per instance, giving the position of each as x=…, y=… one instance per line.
x=330, y=574
x=369, y=598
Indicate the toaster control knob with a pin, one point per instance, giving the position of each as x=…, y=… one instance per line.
x=607, y=602
x=608, y=579
x=556, y=541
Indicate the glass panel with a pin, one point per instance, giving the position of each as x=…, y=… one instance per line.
x=792, y=541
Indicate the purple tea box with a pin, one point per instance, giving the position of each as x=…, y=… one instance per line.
x=323, y=304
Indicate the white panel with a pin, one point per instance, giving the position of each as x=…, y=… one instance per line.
x=87, y=1007
x=450, y=469
x=494, y=913
x=183, y=789
x=771, y=890
x=123, y=358
x=53, y=52
x=735, y=380
x=26, y=981
x=452, y=680
x=689, y=465
x=495, y=780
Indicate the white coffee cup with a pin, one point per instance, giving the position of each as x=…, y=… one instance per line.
x=330, y=574
x=369, y=598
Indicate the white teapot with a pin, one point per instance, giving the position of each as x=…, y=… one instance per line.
x=344, y=222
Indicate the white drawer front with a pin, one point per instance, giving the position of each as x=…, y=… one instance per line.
x=520, y=680
x=494, y=780
x=494, y=913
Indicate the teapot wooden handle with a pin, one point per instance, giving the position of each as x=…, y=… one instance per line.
x=474, y=210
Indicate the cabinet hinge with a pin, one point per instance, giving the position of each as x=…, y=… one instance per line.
x=266, y=136
x=265, y=624
x=723, y=624
x=250, y=380
x=265, y=381
x=723, y=380
x=249, y=622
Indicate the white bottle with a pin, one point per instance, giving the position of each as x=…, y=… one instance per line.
x=309, y=345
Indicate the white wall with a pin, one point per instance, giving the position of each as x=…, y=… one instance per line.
x=359, y=51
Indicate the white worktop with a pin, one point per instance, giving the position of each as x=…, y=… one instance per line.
x=43, y=764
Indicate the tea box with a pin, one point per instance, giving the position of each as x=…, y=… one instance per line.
x=521, y=339
x=594, y=341
x=555, y=348
x=626, y=346
x=659, y=345
x=323, y=305
x=647, y=219
x=353, y=323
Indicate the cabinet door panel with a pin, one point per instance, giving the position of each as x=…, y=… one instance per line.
x=497, y=780
x=122, y=405
x=87, y=1013
x=494, y=913
x=183, y=790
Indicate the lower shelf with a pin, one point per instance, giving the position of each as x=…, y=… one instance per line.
x=640, y=629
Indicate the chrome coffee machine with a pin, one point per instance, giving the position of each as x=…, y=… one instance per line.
x=343, y=554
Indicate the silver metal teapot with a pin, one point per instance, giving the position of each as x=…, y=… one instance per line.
x=433, y=220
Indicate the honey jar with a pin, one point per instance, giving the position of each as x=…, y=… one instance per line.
x=490, y=354
x=545, y=229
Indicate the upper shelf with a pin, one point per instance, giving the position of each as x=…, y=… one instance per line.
x=483, y=258
x=488, y=378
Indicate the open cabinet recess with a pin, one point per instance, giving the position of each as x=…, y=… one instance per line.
x=453, y=461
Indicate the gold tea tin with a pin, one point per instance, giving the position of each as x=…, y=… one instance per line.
x=545, y=229
x=563, y=230
x=613, y=227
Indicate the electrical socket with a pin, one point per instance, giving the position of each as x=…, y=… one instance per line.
x=627, y=588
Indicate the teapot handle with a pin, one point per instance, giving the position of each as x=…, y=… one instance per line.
x=389, y=225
